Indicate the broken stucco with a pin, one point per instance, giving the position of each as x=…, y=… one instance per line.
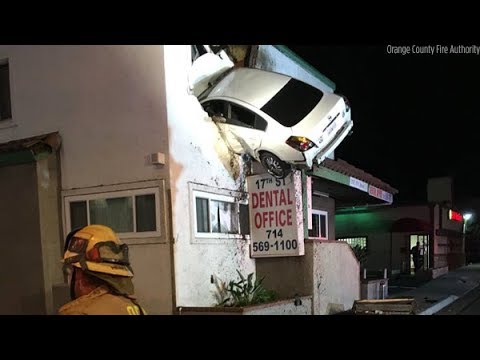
x=198, y=155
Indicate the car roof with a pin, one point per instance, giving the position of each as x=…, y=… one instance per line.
x=253, y=86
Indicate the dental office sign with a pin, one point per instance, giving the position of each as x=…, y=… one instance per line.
x=276, y=215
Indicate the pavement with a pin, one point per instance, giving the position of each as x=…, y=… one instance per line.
x=445, y=295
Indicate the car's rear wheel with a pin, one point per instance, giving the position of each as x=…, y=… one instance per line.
x=274, y=166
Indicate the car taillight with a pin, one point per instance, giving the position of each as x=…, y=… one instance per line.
x=300, y=143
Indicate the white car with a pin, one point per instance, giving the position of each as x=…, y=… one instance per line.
x=276, y=119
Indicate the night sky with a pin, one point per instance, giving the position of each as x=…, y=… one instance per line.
x=414, y=115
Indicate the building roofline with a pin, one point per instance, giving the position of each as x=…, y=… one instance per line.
x=305, y=65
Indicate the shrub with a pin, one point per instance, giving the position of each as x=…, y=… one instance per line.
x=243, y=292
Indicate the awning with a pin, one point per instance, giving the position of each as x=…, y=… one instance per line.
x=411, y=225
x=28, y=150
x=350, y=186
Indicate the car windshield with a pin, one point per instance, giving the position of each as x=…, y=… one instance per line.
x=293, y=102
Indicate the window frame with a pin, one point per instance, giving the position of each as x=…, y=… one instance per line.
x=354, y=237
x=157, y=188
x=5, y=121
x=320, y=213
x=211, y=193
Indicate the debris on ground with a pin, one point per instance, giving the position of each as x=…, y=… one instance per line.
x=402, y=306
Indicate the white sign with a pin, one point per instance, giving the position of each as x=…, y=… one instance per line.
x=276, y=215
x=309, y=202
x=358, y=184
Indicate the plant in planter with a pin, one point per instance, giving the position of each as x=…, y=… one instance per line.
x=243, y=292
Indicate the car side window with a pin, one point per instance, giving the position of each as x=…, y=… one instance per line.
x=243, y=117
x=260, y=123
x=215, y=107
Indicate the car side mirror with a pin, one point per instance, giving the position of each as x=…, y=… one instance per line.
x=219, y=118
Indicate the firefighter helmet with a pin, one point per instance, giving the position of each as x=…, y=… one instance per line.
x=98, y=249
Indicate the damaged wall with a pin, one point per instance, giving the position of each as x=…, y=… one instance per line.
x=198, y=155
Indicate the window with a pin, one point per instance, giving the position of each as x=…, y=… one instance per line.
x=5, y=105
x=235, y=114
x=241, y=116
x=219, y=215
x=131, y=213
x=244, y=117
x=319, y=225
x=355, y=241
x=293, y=102
x=216, y=108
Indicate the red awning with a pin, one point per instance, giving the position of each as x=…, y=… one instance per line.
x=411, y=225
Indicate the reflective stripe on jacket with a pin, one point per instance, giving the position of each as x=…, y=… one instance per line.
x=101, y=302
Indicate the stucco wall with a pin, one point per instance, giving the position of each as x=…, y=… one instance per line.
x=286, y=307
x=21, y=275
x=153, y=277
x=336, y=277
x=107, y=102
x=198, y=155
x=108, y=105
x=50, y=230
x=287, y=276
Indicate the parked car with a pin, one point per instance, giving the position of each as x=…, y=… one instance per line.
x=276, y=119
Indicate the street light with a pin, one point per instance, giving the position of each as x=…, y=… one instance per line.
x=466, y=217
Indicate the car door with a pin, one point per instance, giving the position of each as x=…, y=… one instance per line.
x=242, y=129
x=245, y=129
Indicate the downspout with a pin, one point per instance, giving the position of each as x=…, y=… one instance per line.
x=431, y=244
x=391, y=252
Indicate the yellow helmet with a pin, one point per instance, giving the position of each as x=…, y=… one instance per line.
x=97, y=248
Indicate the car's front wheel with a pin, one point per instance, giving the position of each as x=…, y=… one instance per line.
x=274, y=166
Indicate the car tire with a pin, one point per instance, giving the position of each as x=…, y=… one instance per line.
x=274, y=166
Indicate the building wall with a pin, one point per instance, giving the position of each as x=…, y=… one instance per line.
x=326, y=204
x=336, y=277
x=386, y=250
x=455, y=240
x=198, y=155
x=22, y=280
x=48, y=190
x=287, y=276
x=108, y=104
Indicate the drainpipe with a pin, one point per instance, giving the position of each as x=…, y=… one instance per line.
x=391, y=253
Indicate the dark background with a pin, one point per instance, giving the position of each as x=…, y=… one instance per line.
x=414, y=115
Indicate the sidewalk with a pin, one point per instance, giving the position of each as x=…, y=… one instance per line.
x=436, y=294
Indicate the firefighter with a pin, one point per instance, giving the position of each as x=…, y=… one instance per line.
x=99, y=274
